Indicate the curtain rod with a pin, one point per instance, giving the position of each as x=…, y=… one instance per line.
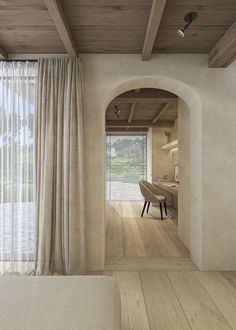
x=18, y=60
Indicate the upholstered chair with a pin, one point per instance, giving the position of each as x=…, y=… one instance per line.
x=151, y=195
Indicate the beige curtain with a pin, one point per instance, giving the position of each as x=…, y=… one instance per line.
x=60, y=243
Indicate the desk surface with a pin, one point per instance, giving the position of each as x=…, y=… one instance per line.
x=167, y=186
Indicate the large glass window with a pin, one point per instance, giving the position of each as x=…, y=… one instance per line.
x=17, y=198
x=126, y=155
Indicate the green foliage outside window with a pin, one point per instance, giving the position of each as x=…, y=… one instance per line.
x=126, y=158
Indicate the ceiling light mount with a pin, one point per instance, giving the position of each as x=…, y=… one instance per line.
x=117, y=111
x=189, y=18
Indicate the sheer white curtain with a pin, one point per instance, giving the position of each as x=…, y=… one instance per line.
x=17, y=197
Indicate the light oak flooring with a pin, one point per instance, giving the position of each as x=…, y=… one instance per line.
x=160, y=287
x=129, y=235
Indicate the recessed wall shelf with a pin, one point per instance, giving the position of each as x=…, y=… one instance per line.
x=171, y=145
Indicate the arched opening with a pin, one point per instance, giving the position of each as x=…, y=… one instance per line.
x=189, y=227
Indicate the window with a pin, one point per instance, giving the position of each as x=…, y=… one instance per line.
x=17, y=199
x=126, y=155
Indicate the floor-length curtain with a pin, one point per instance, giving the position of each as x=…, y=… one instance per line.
x=60, y=245
x=17, y=197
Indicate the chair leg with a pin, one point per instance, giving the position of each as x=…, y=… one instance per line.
x=165, y=208
x=144, y=206
x=148, y=207
x=161, y=211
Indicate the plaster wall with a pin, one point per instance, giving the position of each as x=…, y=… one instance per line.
x=210, y=96
x=184, y=160
x=174, y=134
x=161, y=160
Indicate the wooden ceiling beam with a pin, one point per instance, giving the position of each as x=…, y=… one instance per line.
x=3, y=54
x=138, y=123
x=160, y=113
x=224, y=52
x=119, y=100
x=146, y=95
x=124, y=129
x=148, y=92
x=58, y=17
x=152, y=28
x=131, y=112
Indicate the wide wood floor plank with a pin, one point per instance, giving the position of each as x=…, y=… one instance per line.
x=152, y=242
x=169, y=243
x=114, y=230
x=149, y=264
x=163, y=300
x=172, y=230
x=230, y=277
x=134, y=314
x=129, y=235
x=133, y=243
x=167, y=240
x=199, y=308
x=163, y=308
x=222, y=292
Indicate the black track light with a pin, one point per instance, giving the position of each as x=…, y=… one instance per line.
x=117, y=111
x=189, y=18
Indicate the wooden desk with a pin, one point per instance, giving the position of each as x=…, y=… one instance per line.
x=166, y=186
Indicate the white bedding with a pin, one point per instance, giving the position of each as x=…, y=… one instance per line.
x=59, y=303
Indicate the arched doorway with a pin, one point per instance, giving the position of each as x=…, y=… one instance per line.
x=190, y=226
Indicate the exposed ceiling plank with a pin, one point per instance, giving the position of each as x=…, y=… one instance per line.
x=143, y=100
x=101, y=26
x=148, y=92
x=3, y=54
x=131, y=112
x=146, y=95
x=152, y=28
x=160, y=113
x=124, y=129
x=224, y=52
x=138, y=123
x=57, y=14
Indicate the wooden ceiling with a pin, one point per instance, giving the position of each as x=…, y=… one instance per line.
x=142, y=108
x=113, y=26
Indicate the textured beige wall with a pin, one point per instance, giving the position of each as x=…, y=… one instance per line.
x=184, y=148
x=210, y=96
x=174, y=152
x=161, y=160
x=174, y=134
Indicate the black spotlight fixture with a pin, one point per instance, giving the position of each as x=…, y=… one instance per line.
x=189, y=18
x=117, y=111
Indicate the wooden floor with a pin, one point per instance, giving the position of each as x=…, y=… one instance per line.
x=129, y=235
x=160, y=286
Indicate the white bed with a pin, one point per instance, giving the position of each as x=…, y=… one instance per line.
x=59, y=303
